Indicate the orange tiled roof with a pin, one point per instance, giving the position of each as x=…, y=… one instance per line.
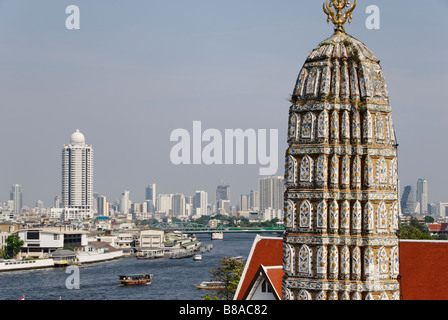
x=423, y=267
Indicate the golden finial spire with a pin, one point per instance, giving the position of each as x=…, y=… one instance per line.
x=339, y=18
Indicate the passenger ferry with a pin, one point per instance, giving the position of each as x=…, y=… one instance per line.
x=135, y=279
x=210, y=285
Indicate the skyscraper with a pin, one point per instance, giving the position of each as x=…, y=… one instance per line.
x=271, y=190
x=222, y=193
x=150, y=192
x=422, y=195
x=124, y=202
x=77, y=178
x=408, y=201
x=200, y=203
x=16, y=197
x=341, y=201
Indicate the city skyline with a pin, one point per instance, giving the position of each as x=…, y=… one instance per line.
x=229, y=69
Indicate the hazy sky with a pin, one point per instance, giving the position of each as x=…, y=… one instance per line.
x=137, y=70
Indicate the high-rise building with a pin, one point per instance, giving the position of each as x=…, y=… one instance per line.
x=222, y=193
x=150, y=192
x=77, y=178
x=200, y=203
x=271, y=190
x=244, y=202
x=422, y=195
x=125, y=202
x=178, y=205
x=164, y=203
x=16, y=197
x=341, y=200
x=408, y=205
x=254, y=201
x=103, y=206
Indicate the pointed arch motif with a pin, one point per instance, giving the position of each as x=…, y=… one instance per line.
x=334, y=216
x=345, y=215
x=384, y=296
x=334, y=262
x=321, y=260
x=300, y=85
x=392, y=130
x=383, y=262
x=305, y=214
x=334, y=171
x=356, y=264
x=306, y=169
x=356, y=176
x=313, y=81
x=356, y=296
x=381, y=214
x=369, y=217
x=345, y=174
x=333, y=295
x=380, y=131
x=356, y=217
x=304, y=295
x=395, y=265
x=345, y=126
x=394, y=217
x=290, y=170
x=322, y=169
x=322, y=295
x=369, y=263
x=381, y=171
x=367, y=126
x=290, y=213
x=344, y=269
x=304, y=260
x=288, y=258
x=322, y=215
x=369, y=296
x=345, y=296
x=335, y=125
x=325, y=83
x=323, y=125
x=369, y=177
x=307, y=126
x=293, y=126
x=393, y=172
x=356, y=126
x=387, y=126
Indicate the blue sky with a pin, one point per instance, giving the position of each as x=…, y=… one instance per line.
x=137, y=70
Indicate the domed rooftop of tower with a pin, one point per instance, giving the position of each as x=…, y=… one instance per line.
x=77, y=138
x=341, y=69
x=343, y=47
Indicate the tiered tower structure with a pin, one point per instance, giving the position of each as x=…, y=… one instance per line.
x=341, y=200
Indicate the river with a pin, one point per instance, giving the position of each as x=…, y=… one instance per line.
x=173, y=278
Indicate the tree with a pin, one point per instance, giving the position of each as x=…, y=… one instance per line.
x=13, y=245
x=229, y=273
x=413, y=230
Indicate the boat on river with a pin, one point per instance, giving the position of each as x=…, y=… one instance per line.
x=197, y=257
x=210, y=285
x=150, y=254
x=135, y=279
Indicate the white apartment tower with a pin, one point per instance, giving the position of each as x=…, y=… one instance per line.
x=422, y=195
x=271, y=191
x=77, y=178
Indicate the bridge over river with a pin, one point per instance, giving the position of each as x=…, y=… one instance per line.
x=196, y=228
